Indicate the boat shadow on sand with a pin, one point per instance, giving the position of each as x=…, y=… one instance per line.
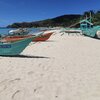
x=24, y=56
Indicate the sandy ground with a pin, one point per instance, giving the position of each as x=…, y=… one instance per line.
x=63, y=68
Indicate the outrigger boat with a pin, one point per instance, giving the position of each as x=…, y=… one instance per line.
x=86, y=28
x=15, y=37
x=19, y=31
x=14, y=48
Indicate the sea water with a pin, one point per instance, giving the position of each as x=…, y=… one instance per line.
x=5, y=31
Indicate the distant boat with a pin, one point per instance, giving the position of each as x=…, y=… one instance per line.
x=20, y=31
x=14, y=48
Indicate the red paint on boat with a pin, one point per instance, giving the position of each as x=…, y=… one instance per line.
x=43, y=37
x=14, y=38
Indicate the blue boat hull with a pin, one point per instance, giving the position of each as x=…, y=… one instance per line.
x=14, y=48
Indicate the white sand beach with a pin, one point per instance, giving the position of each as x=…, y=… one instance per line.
x=62, y=68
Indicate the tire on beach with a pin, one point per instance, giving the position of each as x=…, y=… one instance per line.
x=98, y=34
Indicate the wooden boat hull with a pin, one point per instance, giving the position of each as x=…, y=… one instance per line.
x=42, y=37
x=15, y=38
x=91, y=32
x=14, y=48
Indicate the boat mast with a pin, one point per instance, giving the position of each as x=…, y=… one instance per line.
x=90, y=18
